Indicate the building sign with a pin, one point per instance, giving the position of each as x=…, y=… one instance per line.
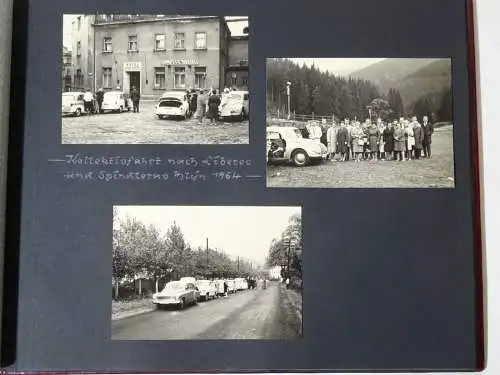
x=131, y=66
x=181, y=62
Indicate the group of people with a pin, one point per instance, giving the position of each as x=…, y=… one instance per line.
x=208, y=103
x=92, y=104
x=401, y=140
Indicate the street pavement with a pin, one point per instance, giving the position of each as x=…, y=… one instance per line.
x=145, y=128
x=250, y=314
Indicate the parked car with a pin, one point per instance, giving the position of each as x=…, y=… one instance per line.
x=187, y=280
x=72, y=103
x=207, y=289
x=241, y=284
x=236, y=106
x=286, y=143
x=231, y=286
x=116, y=101
x=176, y=293
x=173, y=104
x=252, y=283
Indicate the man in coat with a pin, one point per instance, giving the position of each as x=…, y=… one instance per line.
x=213, y=106
x=343, y=141
x=135, y=97
x=99, y=96
x=418, y=134
x=428, y=131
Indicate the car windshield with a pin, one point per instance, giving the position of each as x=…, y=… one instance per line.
x=234, y=97
x=170, y=103
x=173, y=286
x=296, y=132
x=68, y=98
x=273, y=135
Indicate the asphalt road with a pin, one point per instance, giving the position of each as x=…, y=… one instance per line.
x=251, y=314
x=145, y=128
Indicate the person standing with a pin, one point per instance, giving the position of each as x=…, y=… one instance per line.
x=373, y=140
x=213, y=106
x=410, y=140
x=349, y=144
x=418, y=133
x=88, y=100
x=388, y=137
x=135, y=97
x=428, y=129
x=99, y=98
x=358, y=142
x=201, y=106
x=331, y=139
x=343, y=141
x=399, y=142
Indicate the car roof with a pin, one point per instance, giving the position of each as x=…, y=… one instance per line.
x=73, y=93
x=173, y=94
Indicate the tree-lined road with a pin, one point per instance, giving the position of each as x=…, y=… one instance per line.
x=145, y=128
x=251, y=314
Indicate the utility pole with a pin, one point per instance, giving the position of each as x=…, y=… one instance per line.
x=238, y=264
x=288, y=95
x=207, y=255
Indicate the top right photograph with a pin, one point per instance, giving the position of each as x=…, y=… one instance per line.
x=359, y=123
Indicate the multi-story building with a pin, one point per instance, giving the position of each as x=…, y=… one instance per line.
x=155, y=53
x=82, y=52
x=67, y=69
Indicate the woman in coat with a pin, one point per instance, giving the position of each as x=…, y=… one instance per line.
x=373, y=141
x=343, y=141
x=358, y=142
x=388, y=137
x=419, y=135
x=213, y=106
x=411, y=140
x=331, y=140
x=399, y=142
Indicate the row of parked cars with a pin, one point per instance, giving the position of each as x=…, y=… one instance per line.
x=172, y=104
x=189, y=291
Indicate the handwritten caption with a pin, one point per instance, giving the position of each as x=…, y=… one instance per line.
x=132, y=168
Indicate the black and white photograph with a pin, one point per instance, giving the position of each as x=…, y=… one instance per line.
x=155, y=79
x=359, y=123
x=207, y=272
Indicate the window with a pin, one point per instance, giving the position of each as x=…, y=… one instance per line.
x=79, y=78
x=179, y=77
x=159, y=78
x=106, y=77
x=160, y=42
x=200, y=40
x=108, y=44
x=179, y=41
x=234, y=81
x=244, y=81
x=200, y=77
x=132, y=43
x=78, y=48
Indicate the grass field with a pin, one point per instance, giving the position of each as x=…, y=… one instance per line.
x=437, y=172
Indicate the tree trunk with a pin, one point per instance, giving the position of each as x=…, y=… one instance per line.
x=156, y=285
x=117, y=286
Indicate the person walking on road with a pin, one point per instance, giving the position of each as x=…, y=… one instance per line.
x=135, y=96
x=428, y=131
x=201, y=106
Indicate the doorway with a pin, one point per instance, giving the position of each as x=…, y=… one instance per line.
x=135, y=80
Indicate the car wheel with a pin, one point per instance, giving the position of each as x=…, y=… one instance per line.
x=78, y=112
x=160, y=117
x=300, y=158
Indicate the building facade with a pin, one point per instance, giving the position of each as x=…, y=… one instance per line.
x=82, y=52
x=155, y=53
x=67, y=70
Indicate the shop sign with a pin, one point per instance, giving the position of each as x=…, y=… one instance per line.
x=131, y=66
x=181, y=62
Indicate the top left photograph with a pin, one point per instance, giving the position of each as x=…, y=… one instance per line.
x=154, y=79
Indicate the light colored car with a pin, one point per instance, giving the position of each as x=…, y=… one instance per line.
x=231, y=286
x=116, y=101
x=173, y=104
x=207, y=289
x=186, y=280
x=72, y=103
x=177, y=293
x=241, y=284
x=297, y=149
x=235, y=106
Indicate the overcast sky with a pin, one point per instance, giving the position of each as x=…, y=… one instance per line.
x=340, y=66
x=236, y=28
x=238, y=231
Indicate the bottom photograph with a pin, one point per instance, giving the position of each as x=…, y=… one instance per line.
x=206, y=273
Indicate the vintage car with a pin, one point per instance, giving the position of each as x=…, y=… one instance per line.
x=177, y=293
x=207, y=289
x=173, y=104
x=241, y=283
x=235, y=106
x=72, y=103
x=231, y=286
x=286, y=143
x=116, y=101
